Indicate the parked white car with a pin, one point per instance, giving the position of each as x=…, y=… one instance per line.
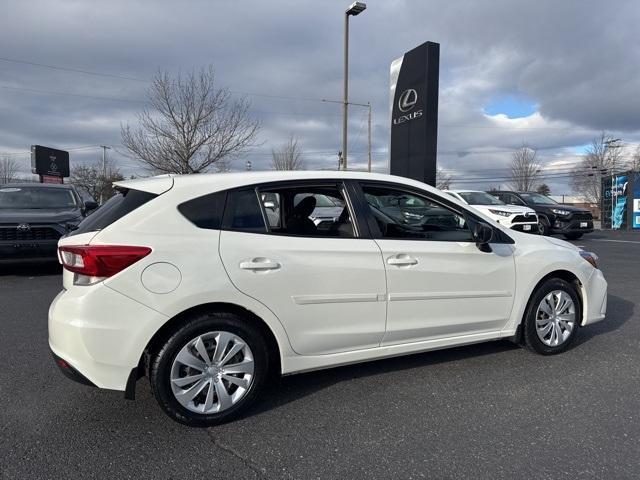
x=188, y=281
x=522, y=219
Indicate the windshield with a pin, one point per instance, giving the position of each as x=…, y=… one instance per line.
x=538, y=199
x=36, y=197
x=480, y=198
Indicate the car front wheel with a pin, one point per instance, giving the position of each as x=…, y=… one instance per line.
x=552, y=317
x=543, y=226
x=209, y=370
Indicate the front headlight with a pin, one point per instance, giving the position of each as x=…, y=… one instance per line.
x=590, y=257
x=502, y=213
x=559, y=211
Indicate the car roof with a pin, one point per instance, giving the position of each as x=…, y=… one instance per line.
x=467, y=191
x=210, y=182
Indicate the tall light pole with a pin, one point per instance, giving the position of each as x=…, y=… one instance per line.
x=104, y=170
x=354, y=9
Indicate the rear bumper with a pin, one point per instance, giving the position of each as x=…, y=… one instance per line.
x=70, y=372
x=100, y=334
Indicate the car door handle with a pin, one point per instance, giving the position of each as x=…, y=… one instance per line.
x=259, y=264
x=402, y=260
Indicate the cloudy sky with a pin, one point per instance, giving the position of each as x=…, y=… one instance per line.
x=552, y=74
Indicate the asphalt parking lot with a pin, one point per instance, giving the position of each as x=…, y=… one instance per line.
x=486, y=411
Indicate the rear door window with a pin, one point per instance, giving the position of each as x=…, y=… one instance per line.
x=242, y=212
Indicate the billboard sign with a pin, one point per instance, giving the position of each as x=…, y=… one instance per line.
x=636, y=200
x=414, y=113
x=619, y=202
x=50, y=179
x=614, y=203
x=49, y=161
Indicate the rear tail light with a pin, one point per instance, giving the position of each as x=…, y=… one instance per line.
x=93, y=263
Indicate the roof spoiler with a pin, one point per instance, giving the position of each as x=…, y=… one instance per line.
x=156, y=185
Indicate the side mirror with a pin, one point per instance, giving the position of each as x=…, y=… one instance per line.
x=90, y=205
x=483, y=234
x=270, y=205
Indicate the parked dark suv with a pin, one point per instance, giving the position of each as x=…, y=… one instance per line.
x=33, y=217
x=553, y=217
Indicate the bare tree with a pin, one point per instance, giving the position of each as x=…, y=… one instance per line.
x=602, y=157
x=543, y=189
x=443, y=179
x=223, y=165
x=8, y=169
x=190, y=125
x=525, y=169
x=94, y=181
x=634, y=164
x=288, y=156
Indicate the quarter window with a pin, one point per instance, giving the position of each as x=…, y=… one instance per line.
x=404, y=215
x=205, y=211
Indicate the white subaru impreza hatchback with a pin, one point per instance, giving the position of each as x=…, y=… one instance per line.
x=207, y=284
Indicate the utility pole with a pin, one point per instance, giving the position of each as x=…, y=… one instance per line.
x=342, y=162
x=369, y=140
x=104, y=170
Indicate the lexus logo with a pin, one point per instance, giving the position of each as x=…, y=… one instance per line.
x=407, y=100
x=23, y=227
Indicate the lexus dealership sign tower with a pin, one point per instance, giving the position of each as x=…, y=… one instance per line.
x=414, y=113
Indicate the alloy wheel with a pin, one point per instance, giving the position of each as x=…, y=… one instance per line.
x=555, y=318
x=212, y=372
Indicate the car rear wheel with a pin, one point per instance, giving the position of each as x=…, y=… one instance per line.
x=573, y=236
x=209, y=370
x=552, y=317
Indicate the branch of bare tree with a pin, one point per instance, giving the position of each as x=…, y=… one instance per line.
x=443, y=179
x=190, y=125
x=8, y=169
x=92, y=180
x=525, y=169
x=602, y=157
x=288, y=156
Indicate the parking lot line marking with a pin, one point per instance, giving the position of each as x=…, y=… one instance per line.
x=618, y=241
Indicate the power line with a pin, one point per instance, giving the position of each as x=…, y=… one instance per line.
x=69, y=149
x=69, y=69
x=50, y=92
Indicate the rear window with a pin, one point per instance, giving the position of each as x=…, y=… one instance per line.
x=114, y=209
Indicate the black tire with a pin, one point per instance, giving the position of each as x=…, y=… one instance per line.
x=543, y=226
x=161, y=363
x=531, y=338
x=573, y=236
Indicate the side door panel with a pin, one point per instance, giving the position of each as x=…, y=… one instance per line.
x=326, y=286
x=439, y=284
x=328, y=292
x=453, y=289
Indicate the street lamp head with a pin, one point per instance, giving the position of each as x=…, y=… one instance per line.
x=355, y=8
